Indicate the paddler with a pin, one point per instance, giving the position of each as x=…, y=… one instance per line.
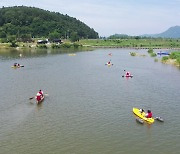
x=128, y=74
x=41, y=93
x=38, y=96
x=148, y=114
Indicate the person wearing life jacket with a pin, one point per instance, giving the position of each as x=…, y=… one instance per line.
x=128, y=74
x=141, y=110
x=38, y=96
x=15, y=64
x=41, y=93
x=109, y=62
x=149, y=114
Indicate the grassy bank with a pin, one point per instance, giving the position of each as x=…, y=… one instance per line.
x=109, y=43
x=173, y=58
x=133, y=43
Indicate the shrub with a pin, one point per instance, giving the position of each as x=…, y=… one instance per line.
x=42, y=46
x=174, y=55
x=165, y=58
x=132, y=53
x=150, y=50
x=153, y=54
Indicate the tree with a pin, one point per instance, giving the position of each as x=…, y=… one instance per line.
x=54, y=35
x=74, y=37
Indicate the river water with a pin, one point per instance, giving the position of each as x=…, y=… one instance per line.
x=88, y=106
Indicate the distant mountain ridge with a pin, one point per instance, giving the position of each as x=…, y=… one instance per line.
x=172, y=32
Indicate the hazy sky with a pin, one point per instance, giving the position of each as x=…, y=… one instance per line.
x=132, y=17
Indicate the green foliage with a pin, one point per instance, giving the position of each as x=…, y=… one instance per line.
x=132, y=53
x=76, y=45
x=153, y=54
x=174, y=55
x=66, y=45
x=55, y=46
x=165, y=58
x=54, y=35
x=42, y=46
x=74, y=37
x=13, y=44
x=150, y=50
x=178, y=61
x=40, y=23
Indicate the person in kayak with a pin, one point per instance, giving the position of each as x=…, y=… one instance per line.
x=38, y=96
x=128, y=74
x=109, y=62
x=148, y=114
x=15, y=64
x=41, y=93
x=141, y=110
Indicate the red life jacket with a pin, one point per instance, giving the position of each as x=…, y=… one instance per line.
x=38, y=98
x=149, y=115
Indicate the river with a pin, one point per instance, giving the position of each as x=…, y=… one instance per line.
x=88, y=105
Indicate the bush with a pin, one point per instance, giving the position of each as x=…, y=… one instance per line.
x=42, y=46
x=153, y=54
x=76, y=45
x=66, y=45
x=165, y=58
x=55, y=46
x=150, y=50
x=178, y=61
x=174, y=55
x=132, y=53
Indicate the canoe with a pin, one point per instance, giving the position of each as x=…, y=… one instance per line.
x=142, y=115
x=38, y=102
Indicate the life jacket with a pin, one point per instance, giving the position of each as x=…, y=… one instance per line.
x=149, y=115
x=38, y=98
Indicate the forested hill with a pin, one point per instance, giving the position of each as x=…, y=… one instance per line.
x=22, y=20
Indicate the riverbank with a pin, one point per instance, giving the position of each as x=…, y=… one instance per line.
x=156, y=43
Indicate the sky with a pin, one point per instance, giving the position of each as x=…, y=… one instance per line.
x=131, y=17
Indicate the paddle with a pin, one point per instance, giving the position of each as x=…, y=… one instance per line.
x=159, y=119
x=21, y=65
x=139, y=120
x=31, y=98
x=127, y=76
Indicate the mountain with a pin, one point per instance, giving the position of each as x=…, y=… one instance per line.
x=22, y=20
x=172, y=32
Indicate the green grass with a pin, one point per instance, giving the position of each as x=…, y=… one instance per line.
x=133, y=43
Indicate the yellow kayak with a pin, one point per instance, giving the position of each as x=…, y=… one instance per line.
x=142, y=115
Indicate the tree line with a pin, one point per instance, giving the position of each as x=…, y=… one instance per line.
x=24, y=23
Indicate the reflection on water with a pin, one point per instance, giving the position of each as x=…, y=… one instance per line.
x=16, y=54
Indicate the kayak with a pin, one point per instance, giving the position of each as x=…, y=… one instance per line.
x=142, y=115
x=17, y=66
x=38, y=102
x=109, y=64
x=128, y=76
